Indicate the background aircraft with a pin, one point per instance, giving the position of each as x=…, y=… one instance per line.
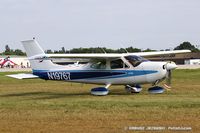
x=6, y=62
x=129, y=69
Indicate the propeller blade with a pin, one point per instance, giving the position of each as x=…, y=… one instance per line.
x=168, y=79
x=169, y=73
x=169, y=67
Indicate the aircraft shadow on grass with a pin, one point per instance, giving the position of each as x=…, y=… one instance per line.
x=53, y=95
x=43, y=95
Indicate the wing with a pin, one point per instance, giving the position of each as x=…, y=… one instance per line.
x=108, y=55
x=157, y=53
x=40, y=55
x=22, y=76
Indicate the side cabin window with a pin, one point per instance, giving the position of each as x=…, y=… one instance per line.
x=117, y=64
x=99, y=65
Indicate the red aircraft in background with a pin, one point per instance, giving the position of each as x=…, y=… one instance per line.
x=6, y=62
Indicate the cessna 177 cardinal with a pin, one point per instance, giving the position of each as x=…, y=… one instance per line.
x=129, y=69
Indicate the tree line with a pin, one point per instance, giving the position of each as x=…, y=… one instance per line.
x=184, y=45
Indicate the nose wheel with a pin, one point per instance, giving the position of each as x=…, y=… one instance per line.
x=156, y=90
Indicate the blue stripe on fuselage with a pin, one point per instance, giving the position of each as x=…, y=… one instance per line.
x=89, y=74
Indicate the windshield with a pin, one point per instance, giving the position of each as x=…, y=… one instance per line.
x=135, y=60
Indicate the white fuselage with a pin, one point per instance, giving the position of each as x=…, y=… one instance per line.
x=146, y=72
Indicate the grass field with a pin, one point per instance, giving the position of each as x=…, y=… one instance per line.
x=36, y=105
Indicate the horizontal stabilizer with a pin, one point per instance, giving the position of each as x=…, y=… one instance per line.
x=23, y=76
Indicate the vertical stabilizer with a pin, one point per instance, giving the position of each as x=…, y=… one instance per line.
x=32, y=49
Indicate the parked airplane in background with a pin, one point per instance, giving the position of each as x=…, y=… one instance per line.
x=129, y=69
x=6, y=62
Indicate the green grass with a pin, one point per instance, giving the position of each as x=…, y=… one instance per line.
x=35, y=105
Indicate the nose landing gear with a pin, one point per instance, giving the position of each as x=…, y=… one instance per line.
x=156, y=90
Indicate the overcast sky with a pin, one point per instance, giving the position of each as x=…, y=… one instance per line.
x=155, y=24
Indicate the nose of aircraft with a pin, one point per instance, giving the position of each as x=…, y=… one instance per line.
x=171, y=66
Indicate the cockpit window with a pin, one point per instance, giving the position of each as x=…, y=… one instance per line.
x=99, y=65
x=135, y=60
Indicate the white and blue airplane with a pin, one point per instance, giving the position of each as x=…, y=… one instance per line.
x=129, y=69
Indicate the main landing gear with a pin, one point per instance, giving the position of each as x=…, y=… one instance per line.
x=100, y=91
x=103, y=91
x=133, y=88
x=138, y=88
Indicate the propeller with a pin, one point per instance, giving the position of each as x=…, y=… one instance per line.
x=168, y=79
x=169, y=67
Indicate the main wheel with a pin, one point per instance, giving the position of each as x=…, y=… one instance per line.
x=133, y=88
